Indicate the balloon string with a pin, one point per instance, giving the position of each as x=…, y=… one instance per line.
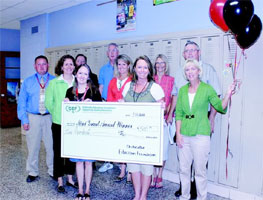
x=236, y=67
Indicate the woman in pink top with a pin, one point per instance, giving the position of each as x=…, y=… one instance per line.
x=116, y=85
x=167, y=84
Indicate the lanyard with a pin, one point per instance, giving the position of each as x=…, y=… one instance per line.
x=82, y=98
x=42, y=86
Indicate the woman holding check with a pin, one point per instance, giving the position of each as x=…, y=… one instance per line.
x=142, y=89
x=85, y=91
x=193, y=127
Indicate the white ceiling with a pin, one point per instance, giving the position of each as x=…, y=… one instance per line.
x=12, y=11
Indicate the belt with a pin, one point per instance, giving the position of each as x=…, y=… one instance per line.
x=189, y=116
x=40, y=114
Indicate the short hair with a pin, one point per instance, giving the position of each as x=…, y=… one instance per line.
x=189, y=42
x=80, y=54
x=165, y=59
x=113, y=44
x=150, y=67
x=41, y=57
x=196, y=64
x=58, y=68
x=125, y=59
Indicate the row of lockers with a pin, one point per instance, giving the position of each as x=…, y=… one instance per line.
x=217, y=49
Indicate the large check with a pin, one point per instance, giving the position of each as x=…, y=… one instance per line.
x=109, y=131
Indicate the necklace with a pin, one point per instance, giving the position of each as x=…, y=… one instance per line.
x=135, y=97
x=77, y=94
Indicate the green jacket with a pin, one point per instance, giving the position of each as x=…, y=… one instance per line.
x=55, y=94
x=195, y=121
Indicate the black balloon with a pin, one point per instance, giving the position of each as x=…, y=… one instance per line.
x=249, y=35
x=237, y=14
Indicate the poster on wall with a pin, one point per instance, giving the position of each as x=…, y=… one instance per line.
x=12, y=92
x=126, y=15
x=158, y=2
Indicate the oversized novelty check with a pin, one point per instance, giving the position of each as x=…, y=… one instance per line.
x=118, y=132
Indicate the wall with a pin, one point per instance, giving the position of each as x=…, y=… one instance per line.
x=87, y=22
x=9, y=40
x=32, y=44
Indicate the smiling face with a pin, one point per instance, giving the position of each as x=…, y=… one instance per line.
x=142, y=69
x=82, y=75
x=160, y=66
x=122, y=67
x=41, y=66
x=68, y=66
x=191, y=72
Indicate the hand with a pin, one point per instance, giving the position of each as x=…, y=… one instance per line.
x=169, y=119
x=87, y=100
x=66, y=100
x=212, y=124
x=179, y=140
x=26, y=127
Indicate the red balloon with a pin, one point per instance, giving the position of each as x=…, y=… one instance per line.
x=216, y=14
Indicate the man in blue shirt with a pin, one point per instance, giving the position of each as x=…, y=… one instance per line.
x=35, y=118
x=107, y=71
x=105, y=76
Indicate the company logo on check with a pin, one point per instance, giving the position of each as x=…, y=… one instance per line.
x=73, y=109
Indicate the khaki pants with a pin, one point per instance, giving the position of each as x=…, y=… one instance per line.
x=39, y=129
x=195, y=149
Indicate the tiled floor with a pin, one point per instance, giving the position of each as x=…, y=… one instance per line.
x=13, y=183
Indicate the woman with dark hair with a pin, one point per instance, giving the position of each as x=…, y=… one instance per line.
x=55, y=94
x=83, y=90
x=81, y=59
x=142, y=88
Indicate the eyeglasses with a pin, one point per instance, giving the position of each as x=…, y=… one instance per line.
x=191, y=50
x=160, y=63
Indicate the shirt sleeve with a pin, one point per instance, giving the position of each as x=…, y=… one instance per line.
x=22, y=102
x=49, y=97
x=126, y=89
x=110, y=96
x=179, y=106
x=157, y=92
x=216, y=101
x=101, y=76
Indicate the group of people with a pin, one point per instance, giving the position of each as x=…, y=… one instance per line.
x=185, y=99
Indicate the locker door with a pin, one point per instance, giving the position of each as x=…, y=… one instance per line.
x=236, y=111
x=136, y=50
x=211, y=53
x=170, y=49
x=75, y=52
x=152, y=49
x=90, y=59
x=124, y=49
x=51, y=61
x=98, y=55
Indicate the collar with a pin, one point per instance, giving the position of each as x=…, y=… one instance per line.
x=61, y=78
x=44, y=76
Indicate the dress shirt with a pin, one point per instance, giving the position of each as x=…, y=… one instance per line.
x=28, y=100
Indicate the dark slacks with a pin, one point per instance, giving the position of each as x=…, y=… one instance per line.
x=61, y=165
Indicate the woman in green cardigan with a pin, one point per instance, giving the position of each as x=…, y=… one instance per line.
x=193, y=127
x=55, y=94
